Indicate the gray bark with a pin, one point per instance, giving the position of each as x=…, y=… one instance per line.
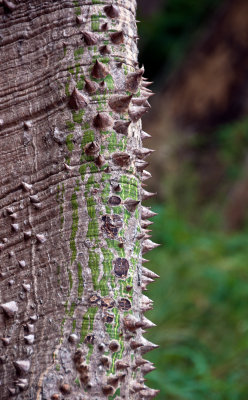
x=72, y=228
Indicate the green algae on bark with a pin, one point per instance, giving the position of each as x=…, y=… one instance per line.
x=74, y=227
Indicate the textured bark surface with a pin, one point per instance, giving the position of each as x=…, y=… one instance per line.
x=72, y=227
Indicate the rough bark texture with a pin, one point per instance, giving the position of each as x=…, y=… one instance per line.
x=72, y=226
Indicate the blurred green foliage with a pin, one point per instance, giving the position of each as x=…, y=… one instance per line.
x=166, y=35
x=201, y=309
x=232, y=142
x=228, y=143
x=201, y=299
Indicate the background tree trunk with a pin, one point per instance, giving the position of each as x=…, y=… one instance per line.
x=205, y=94
x=72, y=227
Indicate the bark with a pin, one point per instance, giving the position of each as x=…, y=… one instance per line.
x=72, y=226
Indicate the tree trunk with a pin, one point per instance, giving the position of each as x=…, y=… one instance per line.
x=72, y=227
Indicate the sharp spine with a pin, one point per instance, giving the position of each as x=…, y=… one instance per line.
x=105, y=50
x=137, y=113
x=90, y=86
x=103, y=120
x=120, y=104
x=22, y=383
x=145, y=224
x=6, y=341
x=26, y=287
x=145, y=135
x=147, y=195
x=26, y=186
x=34, y=198
x=22, y=366
x=143, y=152
x=99, y=71
x=80, y=19
x=149, y=393
x=147, y=346
x=111, y=11
x=121, y=365
x=122, y=127
x=113, y=380
x=121, y=159
x=104, y=27
x=145, y=281
x=10, y=308
x=147, y=324
x=136, y=386
x=149, y=245
x=133, y=80
x=135, y=344
x=139, y=361
x=100, y=161
x=90, y=38
x=147, y=367
x=139, y=101
x=141, y=165
x=131, y=205
x=41, y=238
x=92, y=149
x=9, y=5
x=145, y=175
x=145, y=304
x=146, y=92
x=146, y=213
x=117, y=37
x=146, y=83
x=147, y=272
x=29, y=339
x=15, y=227
x=22, y=263
x=27, y=235
x=77, y=100
x=13, y=216
x=131, y=323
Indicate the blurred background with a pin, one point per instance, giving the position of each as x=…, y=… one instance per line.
x=196, y=52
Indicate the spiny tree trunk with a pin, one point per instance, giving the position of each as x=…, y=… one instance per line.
x=73, y=230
